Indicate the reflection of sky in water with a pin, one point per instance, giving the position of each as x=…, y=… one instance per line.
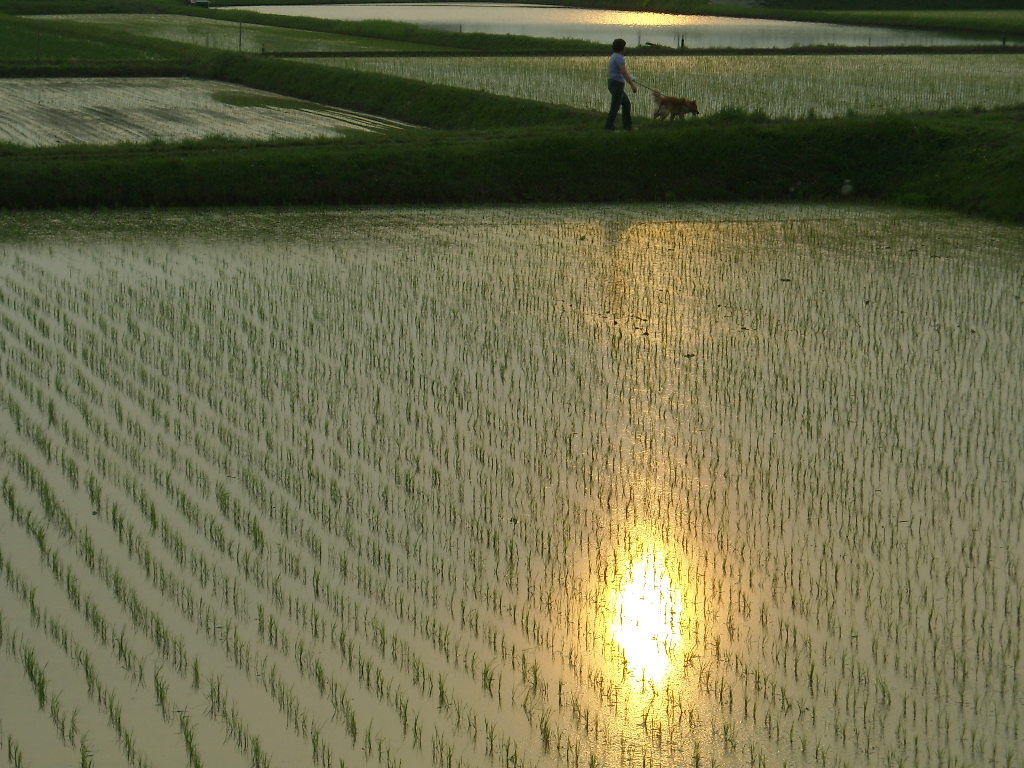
x=646, y=589
x=637, y=28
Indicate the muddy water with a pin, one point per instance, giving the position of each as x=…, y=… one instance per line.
x=578, y=486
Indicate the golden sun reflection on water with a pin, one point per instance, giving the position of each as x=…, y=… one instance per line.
x=646, y=617
x=640, y=19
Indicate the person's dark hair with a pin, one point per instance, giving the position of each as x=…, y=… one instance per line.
x=618, y=45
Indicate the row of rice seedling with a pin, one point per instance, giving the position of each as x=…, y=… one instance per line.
x=779, y=86
x=397, y=487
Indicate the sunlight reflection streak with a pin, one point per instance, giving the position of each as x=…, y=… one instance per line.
x=646, y=615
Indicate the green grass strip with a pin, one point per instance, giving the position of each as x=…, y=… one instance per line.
x=30, y=40
x=228, y=35
x=430, y=39
x=25, y=7
x=967, y=163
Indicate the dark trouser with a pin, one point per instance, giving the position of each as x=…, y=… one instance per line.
x=619, y=99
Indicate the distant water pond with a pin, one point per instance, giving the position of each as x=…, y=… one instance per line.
x=637, y=28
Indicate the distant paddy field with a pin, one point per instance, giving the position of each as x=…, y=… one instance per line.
x=53, y=111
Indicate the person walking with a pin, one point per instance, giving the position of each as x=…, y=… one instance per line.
x=618, y=76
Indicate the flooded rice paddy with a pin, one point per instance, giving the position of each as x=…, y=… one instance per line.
x=587, y=486
x=52, y=111
x=636, y=27
x=781, y=86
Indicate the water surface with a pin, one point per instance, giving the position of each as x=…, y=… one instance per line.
x=596, y=485
x=636, y=27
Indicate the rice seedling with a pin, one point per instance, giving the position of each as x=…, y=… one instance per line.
x=14, y=753
x=36, y=675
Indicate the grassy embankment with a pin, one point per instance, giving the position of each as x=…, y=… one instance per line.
x=489, y=149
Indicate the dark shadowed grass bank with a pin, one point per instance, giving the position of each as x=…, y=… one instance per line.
x=967, y=163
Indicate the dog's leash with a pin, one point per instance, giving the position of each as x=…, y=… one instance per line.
x=643, y=85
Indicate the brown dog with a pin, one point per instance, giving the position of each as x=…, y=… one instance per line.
x=671, y=107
